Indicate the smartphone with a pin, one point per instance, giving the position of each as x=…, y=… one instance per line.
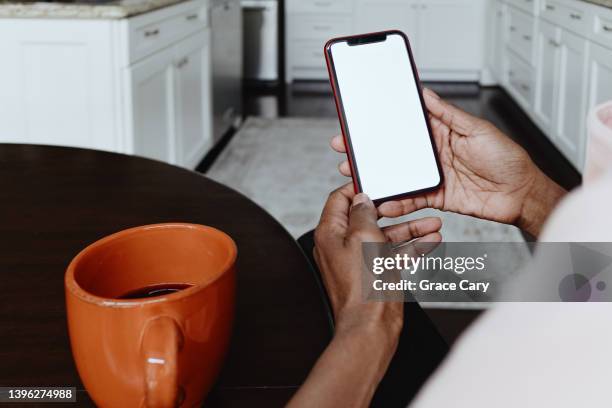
x=382, y=115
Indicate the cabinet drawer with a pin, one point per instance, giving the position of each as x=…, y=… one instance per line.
x=520, y=80
x=319, y=6
x=151, y=32
x=529, y=6
x=602, y=29
x=521, y=34
x=318, y=28
x=307, y=54
x=571, y=18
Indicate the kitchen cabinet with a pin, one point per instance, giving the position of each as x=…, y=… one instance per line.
x=138, y=85
x=451, y=36
x=548, y=80
x=569, y=128
x=193, y=101
x=520, y=81
x=497, y=30
x=600, y=67
x=380, y=15
x=572, y=64
x=447, y=36
x=152, y=104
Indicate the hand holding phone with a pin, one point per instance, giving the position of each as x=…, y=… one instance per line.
x=384, y=123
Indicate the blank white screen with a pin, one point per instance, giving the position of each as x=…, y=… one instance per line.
x=391, y=145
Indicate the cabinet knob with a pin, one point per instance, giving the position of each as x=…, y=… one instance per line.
x=151, y=33
x=182, y=62
x=575, y=16
x=525, y=87
x=554, y=43
x=512, y=28
x=550, y=7
x=607, y=28
x=527, y=37
x=190, y=17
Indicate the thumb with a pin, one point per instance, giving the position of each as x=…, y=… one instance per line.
x=453, y=117
x=363, y=221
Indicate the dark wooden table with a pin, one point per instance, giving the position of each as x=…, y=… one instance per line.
x=54, y=201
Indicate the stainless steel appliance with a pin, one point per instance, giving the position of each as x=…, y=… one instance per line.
x=226, y=53
x=260, y=39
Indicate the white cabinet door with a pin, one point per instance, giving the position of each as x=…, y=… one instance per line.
x=600, y=67
x=547, y=78
x=498, y=31
x=57, y=83
x=381, y=15
x=451, y=35
x=152, y=97
x=570, y=118
x=193, y=107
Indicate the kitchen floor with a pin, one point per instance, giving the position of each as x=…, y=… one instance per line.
x=314, y=100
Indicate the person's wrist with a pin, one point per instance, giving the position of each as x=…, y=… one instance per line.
x=379, y=322
x=542, y=197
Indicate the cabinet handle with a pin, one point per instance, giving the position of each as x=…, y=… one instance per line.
x=550, y=7
x=527, y=37
x=182, y=62
x=151, y=33
x=190, y=17
x=575, y=16
x=554, y=43
x=510, y=73
x=512, y=28
x=525, y=87
x=607, y=28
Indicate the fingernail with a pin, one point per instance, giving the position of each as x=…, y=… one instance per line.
x=361, y=198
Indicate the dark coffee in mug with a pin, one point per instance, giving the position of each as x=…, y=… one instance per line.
x=155, y=290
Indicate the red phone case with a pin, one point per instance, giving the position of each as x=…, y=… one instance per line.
x=343, y=125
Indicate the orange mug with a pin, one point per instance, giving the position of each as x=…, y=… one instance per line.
x=150, y=312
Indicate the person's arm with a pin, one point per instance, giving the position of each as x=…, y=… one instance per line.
x=542, y=199
x=366, y=333
x=487, y=175
x=348, y=372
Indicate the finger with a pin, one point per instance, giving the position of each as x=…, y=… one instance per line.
x=426, y=244
x=392, y=209
x=421, y=246
x=407, y=231
x=337, y=143
x=363, y=221
x=453, y=117
x=334, y=218
x=345, y=169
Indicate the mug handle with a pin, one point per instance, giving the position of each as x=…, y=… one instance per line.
x=162, y=339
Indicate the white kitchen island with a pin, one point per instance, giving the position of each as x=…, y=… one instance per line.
x=131, y=76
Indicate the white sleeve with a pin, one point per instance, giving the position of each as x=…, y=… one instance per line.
x=537, y=354
x=528, y=355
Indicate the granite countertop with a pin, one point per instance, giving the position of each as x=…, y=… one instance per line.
x=86, y=10
x=604, y=3
x=113, y=9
